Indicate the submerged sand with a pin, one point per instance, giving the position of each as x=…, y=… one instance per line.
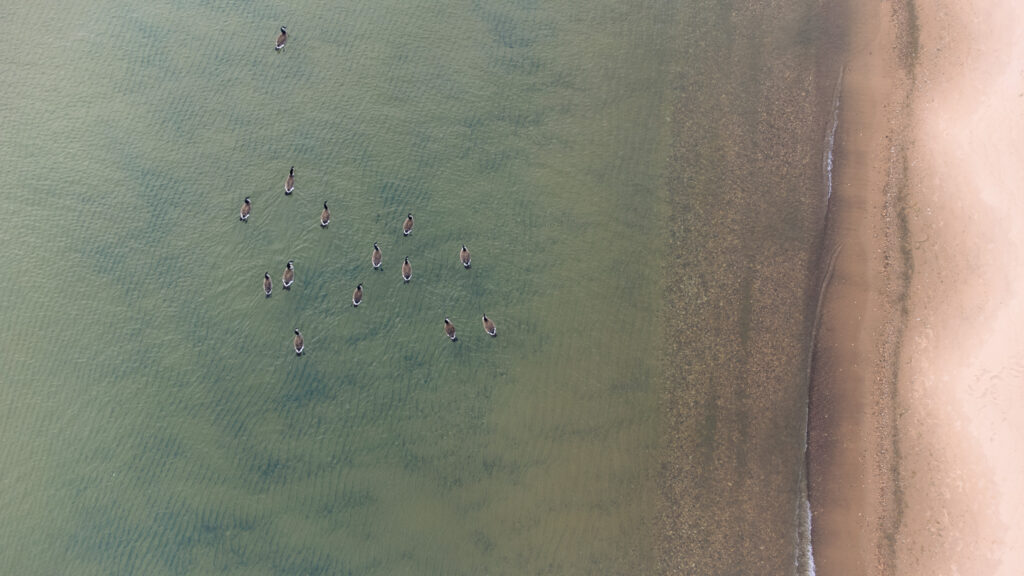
x=917, y=414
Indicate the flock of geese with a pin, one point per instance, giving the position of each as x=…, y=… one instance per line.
x=288, y=278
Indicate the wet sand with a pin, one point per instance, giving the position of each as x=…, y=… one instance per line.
x=917, y=410
x=851, y=428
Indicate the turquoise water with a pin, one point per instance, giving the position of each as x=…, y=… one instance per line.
x=636, y=181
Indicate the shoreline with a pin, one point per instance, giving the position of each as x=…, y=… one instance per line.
x=852, y=432
x=902, y=480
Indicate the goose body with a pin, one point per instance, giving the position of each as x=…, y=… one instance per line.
x=243, y=215
x=449, y=329
x=281, y=39
x=357, y=296
x=406, y=270
x=489, y=326
x=376, y=257
x=289, y=183
x=465, y=257
x=289, y=275
x=407, y=226
x=325, y=217
x=268, y=286
x=298, y=343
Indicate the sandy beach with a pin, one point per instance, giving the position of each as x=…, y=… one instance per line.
x=917, y=413
x=962, y=367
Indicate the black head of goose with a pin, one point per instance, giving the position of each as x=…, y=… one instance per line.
x=407, y=226
x=281, y=39
x=289, y=183
x=357, y=295
x=465, y=257
x=298, y=343
x=376, y=257
x=268, y=286
x=289, y=275
x=449, y=329
x=243, y=215
x=406, y=270
x=325, y=217
x=489, y=326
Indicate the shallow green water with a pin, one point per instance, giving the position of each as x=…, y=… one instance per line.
x=155, y=420
x=640, y=185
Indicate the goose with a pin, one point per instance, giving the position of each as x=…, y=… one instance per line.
x=489, y=326
x=281, y=39
x=246, y=207
x=357, y=296
x=299, y=346
x=449, y=329
x=325, y=217
x=268, y=286
x=289, y=183
x=407, y=227
x=406, y=270
x=464, y=256
x=376, y=257
x=289, y=275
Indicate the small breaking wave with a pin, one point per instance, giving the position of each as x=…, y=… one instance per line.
x=828, y=158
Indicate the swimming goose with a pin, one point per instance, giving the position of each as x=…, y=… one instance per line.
x=464, y=256
x=289, y=183
x=407, y=227
x=449, y=329
x=325, y=217
x=357, y=296
x=281, y=39
x=268, y=286
x=246, y=207
x=289, y=275
x=376, y=257
x=299, y=346
x=489, y=326
x=406, y=270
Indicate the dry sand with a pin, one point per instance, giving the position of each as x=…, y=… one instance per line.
x=961, y=382
x=917, y=423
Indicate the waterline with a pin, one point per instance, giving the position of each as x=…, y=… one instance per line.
x=830, y=138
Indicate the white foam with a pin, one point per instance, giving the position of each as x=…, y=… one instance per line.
x=828, y=159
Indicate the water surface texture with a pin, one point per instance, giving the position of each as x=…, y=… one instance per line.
x=638, y=181
x=155, y=418
x=752, y=106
